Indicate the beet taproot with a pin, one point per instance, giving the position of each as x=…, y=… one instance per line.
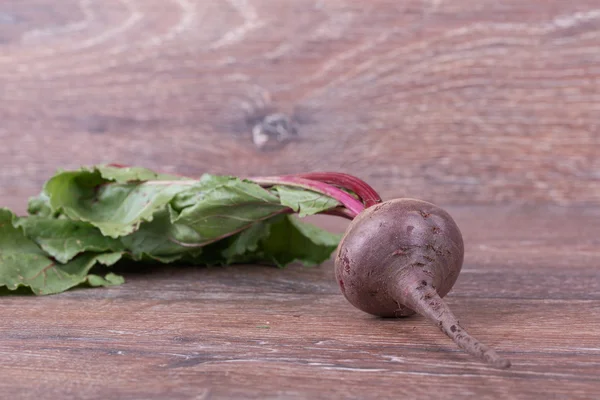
x=402, y=256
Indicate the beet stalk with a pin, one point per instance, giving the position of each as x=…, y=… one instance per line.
x=367, y=195
x=352, y=206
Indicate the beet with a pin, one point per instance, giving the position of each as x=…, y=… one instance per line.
x=402, y=256
x=398, y=257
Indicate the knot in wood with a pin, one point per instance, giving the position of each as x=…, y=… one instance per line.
x=273, y=131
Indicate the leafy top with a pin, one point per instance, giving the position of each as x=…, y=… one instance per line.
x=96, y=216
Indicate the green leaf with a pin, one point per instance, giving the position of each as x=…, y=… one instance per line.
x=290, y=240
x=12, y=239
x=44, y=276
x=63, y=239
x=191, y=196
x=118, y=208
x=305, y=202
x=109, y=279
x=57, y=278
x=23, y=263
x=94, y=216
x=280, y=240
x=19, y=255
x=244, y=246
x=231, y=206
x=156, y=240
x=129, y=174
x=40, y=206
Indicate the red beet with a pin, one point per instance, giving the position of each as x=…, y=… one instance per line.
x=402, y=256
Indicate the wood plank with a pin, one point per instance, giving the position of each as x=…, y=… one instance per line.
x=256, y=332
x=141, y=342
x=464, y=101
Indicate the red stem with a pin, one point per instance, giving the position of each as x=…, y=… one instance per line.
x=366, y=193
x=353, y=206
x=339, y=212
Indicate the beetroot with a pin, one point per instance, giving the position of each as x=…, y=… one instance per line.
x=402, y=256
x=397, y=257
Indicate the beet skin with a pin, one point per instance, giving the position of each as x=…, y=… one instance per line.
x=402, y=256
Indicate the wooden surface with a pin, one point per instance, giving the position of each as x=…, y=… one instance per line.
x=530, y=287
x=457, y=101
x=489, y=107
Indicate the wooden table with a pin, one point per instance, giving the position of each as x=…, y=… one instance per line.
x=530, y=287
x=487, y=107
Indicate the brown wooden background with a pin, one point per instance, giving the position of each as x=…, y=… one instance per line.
x=456, y=102
x=489, y=107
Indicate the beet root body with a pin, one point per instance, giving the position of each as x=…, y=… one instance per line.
x=402, y=256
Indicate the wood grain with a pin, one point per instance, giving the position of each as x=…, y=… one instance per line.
x=456, y=102
x=530, y=287
x=491, y=106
